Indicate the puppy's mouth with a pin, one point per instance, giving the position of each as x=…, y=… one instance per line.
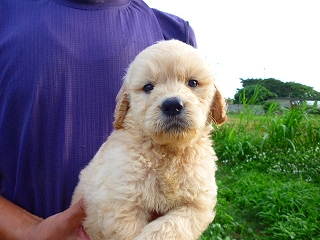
x=175, y=124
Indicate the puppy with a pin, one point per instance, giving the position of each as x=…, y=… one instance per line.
x=154, y=178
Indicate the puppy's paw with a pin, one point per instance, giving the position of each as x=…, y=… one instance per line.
x=164, y=230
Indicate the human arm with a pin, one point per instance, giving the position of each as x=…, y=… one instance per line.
x=17, y=223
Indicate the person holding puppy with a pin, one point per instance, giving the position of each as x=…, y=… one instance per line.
x=61, y=66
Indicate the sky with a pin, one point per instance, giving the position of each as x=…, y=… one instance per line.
x=254, y=38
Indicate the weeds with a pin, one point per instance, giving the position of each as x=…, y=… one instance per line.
x=268, y=177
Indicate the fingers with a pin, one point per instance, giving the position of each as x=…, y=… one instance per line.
x=64, y=225
x=70, y=221
x=75, y=214
x=82, y=234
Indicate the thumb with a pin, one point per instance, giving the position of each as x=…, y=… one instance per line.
x=75, y=214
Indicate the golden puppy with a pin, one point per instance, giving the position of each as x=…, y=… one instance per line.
x=154, y=178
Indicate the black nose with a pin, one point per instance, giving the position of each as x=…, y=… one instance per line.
x=172, y=106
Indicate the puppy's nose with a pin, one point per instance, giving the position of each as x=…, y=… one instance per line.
x=172, y=106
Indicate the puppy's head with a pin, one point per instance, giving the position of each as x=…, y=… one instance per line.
x=169, y=94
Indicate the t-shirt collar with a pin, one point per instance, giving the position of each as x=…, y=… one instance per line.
x=92, y=5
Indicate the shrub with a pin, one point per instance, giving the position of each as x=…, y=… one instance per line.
x=268, y=176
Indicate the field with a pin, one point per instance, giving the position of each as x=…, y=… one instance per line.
x=268, y=177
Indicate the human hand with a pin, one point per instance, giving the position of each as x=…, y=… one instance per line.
x=64, y=225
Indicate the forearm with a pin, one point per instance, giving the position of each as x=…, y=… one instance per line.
x=15, y=221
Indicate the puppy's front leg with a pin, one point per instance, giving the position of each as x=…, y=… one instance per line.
x=186, y=222
x=123, y=222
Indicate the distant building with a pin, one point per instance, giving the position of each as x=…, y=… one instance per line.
x=236, y=108
x=288, y=102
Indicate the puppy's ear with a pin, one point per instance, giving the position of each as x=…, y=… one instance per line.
x=218, y=108
x=122, y=107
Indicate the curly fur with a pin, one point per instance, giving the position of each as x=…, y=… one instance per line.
x=154, y=178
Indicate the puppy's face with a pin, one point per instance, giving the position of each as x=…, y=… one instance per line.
x=169, y=91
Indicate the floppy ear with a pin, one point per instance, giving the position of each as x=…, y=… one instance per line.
x=218, y=108
x=122, y=107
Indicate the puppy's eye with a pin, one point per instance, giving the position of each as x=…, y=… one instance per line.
x=148, y=88
x=193, y=83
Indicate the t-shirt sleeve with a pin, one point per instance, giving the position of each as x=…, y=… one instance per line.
x=174, y=27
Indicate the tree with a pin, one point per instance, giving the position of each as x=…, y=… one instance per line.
x=299, y=90
x=282, y=89
x=229, y=100
x=252, y=94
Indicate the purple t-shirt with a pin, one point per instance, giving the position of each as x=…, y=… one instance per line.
x=61, y=67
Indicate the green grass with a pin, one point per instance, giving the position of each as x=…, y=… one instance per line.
x=268, y=177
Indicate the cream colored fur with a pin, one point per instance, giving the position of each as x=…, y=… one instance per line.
x=150, y=181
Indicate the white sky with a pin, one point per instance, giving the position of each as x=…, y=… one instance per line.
x=254, y=38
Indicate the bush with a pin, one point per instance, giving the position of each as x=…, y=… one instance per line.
x=313, y=110
x=268, y=176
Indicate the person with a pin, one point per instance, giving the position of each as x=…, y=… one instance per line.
x=61, y=66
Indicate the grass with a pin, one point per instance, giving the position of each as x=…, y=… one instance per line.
x=268, y=177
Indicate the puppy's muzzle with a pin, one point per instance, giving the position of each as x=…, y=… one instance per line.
x=175, y=119
x=172, y=106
